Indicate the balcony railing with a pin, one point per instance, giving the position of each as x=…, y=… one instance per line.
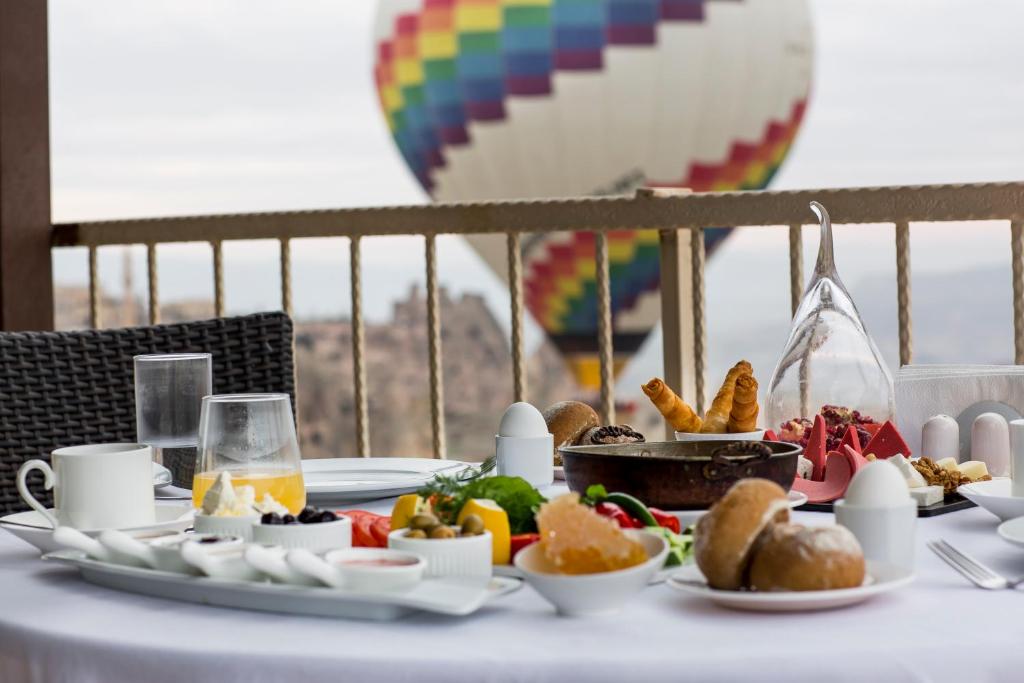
x=680, y=218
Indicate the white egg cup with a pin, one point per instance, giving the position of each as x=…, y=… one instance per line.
x=886, y=534
x=529, y=457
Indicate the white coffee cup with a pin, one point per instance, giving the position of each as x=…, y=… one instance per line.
x=102, y=486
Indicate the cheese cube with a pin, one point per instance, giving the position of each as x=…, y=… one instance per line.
x=927, y=495
x=973, y=469
x=909, y=472
x=947, y=464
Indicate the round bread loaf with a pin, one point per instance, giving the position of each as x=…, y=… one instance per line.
x=790, y=557
x=568, y=421
x=725, y=536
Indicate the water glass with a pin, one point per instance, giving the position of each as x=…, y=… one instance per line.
x=252, y=436
x=169, y=390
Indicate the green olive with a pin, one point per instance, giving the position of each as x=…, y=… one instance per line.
x=424, y=521
x=472, y=525
x=442, y=531
x=415, y=533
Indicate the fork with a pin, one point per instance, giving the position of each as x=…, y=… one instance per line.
x=971, y=569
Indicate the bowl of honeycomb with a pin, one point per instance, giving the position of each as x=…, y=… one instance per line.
x=584, y=564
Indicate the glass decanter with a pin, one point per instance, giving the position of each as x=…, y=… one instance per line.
x=830, y=364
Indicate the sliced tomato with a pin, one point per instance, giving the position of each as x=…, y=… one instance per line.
x=361, y=535
x=379, y=529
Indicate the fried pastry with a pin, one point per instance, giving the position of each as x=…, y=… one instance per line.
x=674, y=409
x=716, y=421
x=743, y=416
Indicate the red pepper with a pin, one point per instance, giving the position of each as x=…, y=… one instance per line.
x=670, y=522
x=615, y=512
x=520, y=541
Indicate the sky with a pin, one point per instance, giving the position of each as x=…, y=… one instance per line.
x=174, y=107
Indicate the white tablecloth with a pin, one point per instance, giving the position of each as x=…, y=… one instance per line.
x=56, y=627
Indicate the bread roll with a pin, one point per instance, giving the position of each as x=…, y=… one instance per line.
x=790, y=557
x=725, y=536
x=568, y=421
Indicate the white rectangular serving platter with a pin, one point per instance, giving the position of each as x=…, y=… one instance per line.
x=442, y=596
x=343, y=480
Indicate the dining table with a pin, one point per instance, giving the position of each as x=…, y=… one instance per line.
x=56, y=627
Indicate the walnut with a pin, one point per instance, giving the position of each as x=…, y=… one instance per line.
x=937, y=476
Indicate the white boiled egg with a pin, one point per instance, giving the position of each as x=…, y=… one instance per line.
x=878, y=484
x=522, y=420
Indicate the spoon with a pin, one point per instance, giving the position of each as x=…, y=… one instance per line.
x=226, y=563
x=271, y=561
x=73, y=538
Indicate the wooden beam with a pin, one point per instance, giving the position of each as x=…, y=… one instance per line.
x=26, y=280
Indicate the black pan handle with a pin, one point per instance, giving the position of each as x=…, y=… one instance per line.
x=726, y=463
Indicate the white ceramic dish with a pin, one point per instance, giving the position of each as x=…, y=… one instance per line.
x=1012, y=531
x=463, y=556
x=271, y=560
x=336, y=481
x=882, y=578
x=741, y=436
x=161, y=552
x=994, y=496
x=224, y=560
x=35, y=530
x=583, y=595
x=316, y=538
x=690, y=517
x=350, y=569
x=443, y=596
x=161, y=476
x=233, y=526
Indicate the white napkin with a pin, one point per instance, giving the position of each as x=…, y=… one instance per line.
x=926, y=390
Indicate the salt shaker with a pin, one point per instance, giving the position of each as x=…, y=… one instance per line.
x=879, y=511
x=1017, y=458
x=524, y=447
x=940, y=438
x=990, y=443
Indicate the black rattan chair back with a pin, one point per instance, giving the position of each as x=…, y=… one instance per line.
x=65, y=388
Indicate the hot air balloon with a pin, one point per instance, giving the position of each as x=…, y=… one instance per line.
x=493, y=99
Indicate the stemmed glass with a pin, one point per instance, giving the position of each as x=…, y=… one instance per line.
x=252, y=436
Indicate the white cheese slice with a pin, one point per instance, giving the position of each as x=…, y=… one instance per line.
x=927, y=495
x=909, y=472
x=973, y=469
x=947, y=464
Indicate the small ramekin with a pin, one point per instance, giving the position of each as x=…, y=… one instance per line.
x=468, y=556
x=316, y=538
x=231, y=526
x=367, y=577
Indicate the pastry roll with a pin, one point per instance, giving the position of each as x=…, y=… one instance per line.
x=743, y=416
x=673, y=409
x=716, y=420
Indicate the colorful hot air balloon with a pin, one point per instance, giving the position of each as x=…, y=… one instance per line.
x=531, y=98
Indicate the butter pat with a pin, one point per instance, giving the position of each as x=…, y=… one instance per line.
x=973, y=469
x=909, y=472
x=927, y=495
x=948, y=464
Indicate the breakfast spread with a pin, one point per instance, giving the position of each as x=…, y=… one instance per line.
x=734, y=409
x=577, y=540
x=746, y=542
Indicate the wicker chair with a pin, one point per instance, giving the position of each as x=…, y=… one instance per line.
x=65, y=388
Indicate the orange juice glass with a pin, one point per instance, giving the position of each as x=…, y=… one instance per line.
x=251, y=436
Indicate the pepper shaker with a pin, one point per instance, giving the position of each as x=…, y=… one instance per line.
x=990, y=443
x=940, y=438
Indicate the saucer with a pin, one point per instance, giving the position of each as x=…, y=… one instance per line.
x=34, y=529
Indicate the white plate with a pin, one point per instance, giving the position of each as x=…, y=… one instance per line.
x=881, y=578
x=34, y=529
x=994, y=496
x=741, y=436
x=688, y=517
x=443, y=596
x=332, y=481
x=161, y=476
x=1012, y=531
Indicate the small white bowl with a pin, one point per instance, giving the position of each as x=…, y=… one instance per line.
x=145, y=549
x=462, y=556
x=584, y=595
x=232, y=526
x=316, y=538
x=224, y=560
x=271, y=560
x=995, y=496
x=740, y=436
x=165, y=553
x=355, y=569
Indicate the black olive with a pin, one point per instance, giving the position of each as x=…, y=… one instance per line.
x=328, y=516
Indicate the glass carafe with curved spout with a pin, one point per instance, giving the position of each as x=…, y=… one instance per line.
x=830, y=364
